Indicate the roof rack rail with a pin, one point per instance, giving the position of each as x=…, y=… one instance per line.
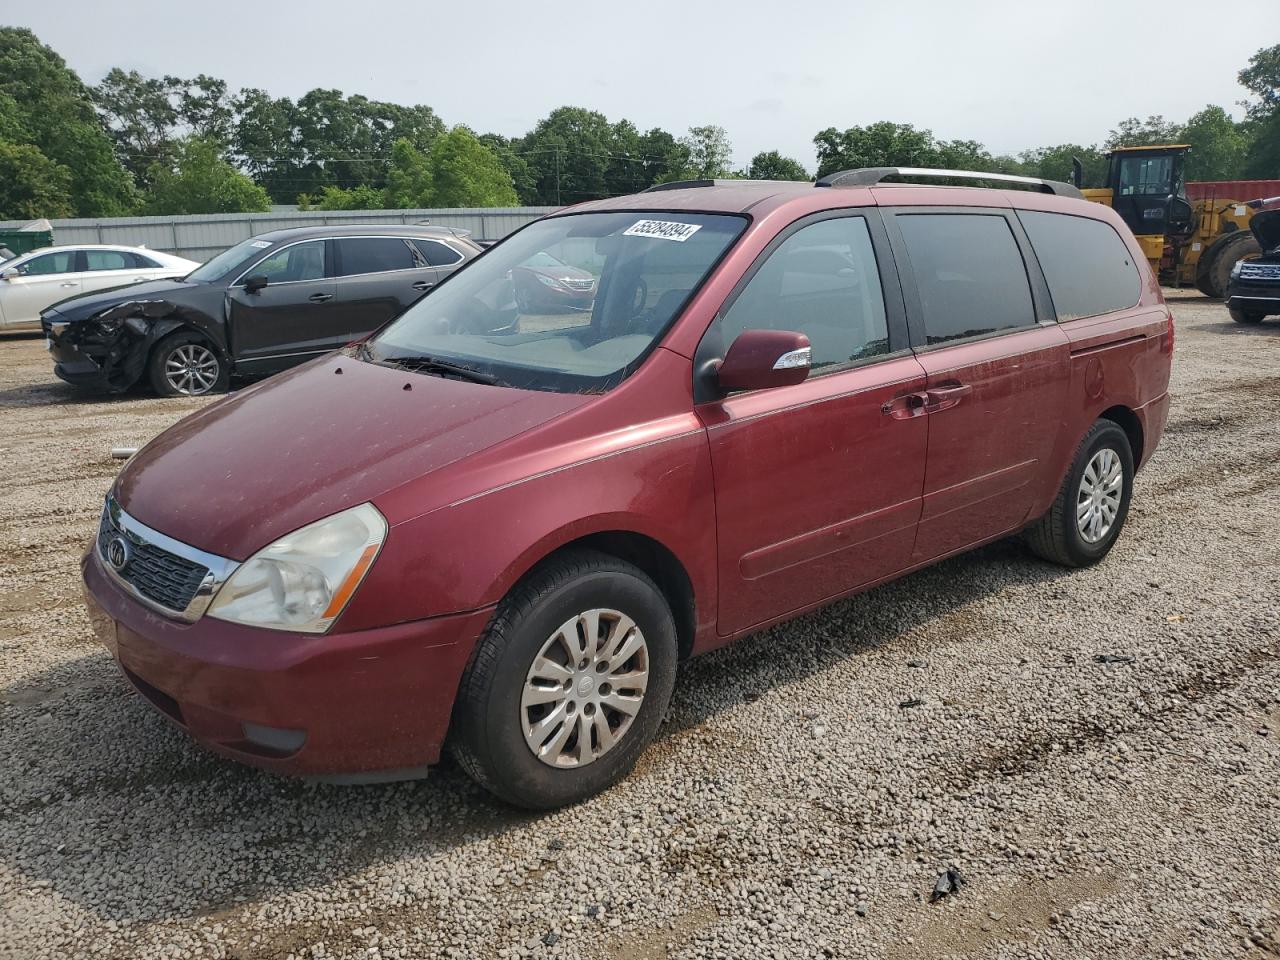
x=870, y=176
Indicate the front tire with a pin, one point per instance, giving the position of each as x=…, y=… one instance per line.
x=568, y=684
x=1246, y=317
x=1089, y=512
x=185, y=364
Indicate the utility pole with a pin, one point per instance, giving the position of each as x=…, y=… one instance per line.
x=558, y=175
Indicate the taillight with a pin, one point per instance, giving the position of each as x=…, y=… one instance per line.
x=1168, y=334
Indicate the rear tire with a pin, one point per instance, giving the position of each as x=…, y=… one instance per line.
x=599, y=715
x=1089, y=512
x=1246, y=317
x=186, y=364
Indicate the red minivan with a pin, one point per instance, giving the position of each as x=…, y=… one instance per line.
x=782, y=394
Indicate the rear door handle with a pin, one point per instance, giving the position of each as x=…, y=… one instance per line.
x=423, y=285
x=945, y=396
x=320, y=297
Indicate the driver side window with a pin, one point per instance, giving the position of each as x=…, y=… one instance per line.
x=821, y=281
x=302, y=261
x=61, y=262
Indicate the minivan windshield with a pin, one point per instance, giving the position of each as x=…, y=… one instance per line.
x=505, y=319
x=230, y=259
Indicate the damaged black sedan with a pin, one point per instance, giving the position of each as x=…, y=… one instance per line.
x=264, y=305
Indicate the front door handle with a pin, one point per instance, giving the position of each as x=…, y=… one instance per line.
x=905, y=407
x=423, y=285
x=320, y=297
x=69, y=283
x=946, y=395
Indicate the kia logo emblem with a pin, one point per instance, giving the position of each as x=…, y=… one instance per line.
x=119, y=553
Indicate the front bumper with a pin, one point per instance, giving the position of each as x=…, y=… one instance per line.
x=362, y=706
x=1259, y=296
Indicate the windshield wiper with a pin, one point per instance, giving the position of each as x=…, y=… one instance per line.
x=424, y=364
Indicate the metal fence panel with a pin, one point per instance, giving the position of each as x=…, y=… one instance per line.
x=201, y=236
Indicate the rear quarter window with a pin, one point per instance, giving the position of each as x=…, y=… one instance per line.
x=1087, y=266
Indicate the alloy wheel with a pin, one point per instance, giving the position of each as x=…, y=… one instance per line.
x=191, y=369
x=584, y=689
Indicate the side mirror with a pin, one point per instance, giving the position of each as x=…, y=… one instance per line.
x=255, y=283
x=10, y=274
x=759, y=359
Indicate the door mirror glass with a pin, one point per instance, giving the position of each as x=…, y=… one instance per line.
x=759, y=359
x=255, y=283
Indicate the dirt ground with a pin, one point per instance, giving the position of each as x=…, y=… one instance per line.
x=792, y=806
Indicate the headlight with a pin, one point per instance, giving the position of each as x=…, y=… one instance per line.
x=303, y=580
x=547, y=280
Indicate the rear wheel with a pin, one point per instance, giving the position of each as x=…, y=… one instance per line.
x=1245, y=316
x=1089, y=512
x=568, y=684
x=184, y=364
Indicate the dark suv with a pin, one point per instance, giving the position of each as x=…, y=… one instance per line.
x=782, y=394
x=266, y=304
x=1253, y=292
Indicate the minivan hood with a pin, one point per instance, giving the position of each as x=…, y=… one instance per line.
x=1266, y=227
x=85, y=305
x=328, y=435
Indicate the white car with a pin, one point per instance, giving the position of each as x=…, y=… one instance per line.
x=41, y=278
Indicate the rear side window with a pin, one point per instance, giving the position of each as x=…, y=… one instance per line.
x=969, y=274
x=373, y=255
x=106, y=260
x=1087, y=266
x=821, y=281
x=438, y=254
x=145, y=263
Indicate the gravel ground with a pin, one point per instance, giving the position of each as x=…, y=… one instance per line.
x=796, y=804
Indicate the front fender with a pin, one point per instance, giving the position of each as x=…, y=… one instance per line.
x=468, y=554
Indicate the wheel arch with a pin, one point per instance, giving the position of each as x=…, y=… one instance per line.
x=649, y=554
x=1127, y=420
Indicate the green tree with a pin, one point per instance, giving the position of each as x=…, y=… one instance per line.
x=335, y=198
x=1262, y=161
x=1133, y=132
x=466, y=173
x=710, y=152
x=1262, y=79
x=882, y=144
x=665, y=157
x=409, y=180
x=1054, y=163
x=516, y=166
x=568, y=154
x=50, y=103
x=32, y=185
x=1218, y=145
x=771, y=165
x=201, y=181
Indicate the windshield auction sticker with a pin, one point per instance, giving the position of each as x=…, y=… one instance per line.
x=662, y=230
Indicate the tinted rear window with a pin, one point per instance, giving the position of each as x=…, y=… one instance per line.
x=969, y=273
x=438, y=254
x=373, y=255
x=1087, y=266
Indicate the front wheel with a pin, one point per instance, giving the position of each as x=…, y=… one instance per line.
x=184, y=364
x=1247, y=317
x=1089, y=512
x=568, y=684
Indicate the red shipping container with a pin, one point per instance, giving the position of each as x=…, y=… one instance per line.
x=1233, y=190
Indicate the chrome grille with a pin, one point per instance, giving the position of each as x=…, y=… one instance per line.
x=160, y=576
x=575, y=284
x=1259, y=271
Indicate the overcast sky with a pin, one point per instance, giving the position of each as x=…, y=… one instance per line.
x=1012, y=75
